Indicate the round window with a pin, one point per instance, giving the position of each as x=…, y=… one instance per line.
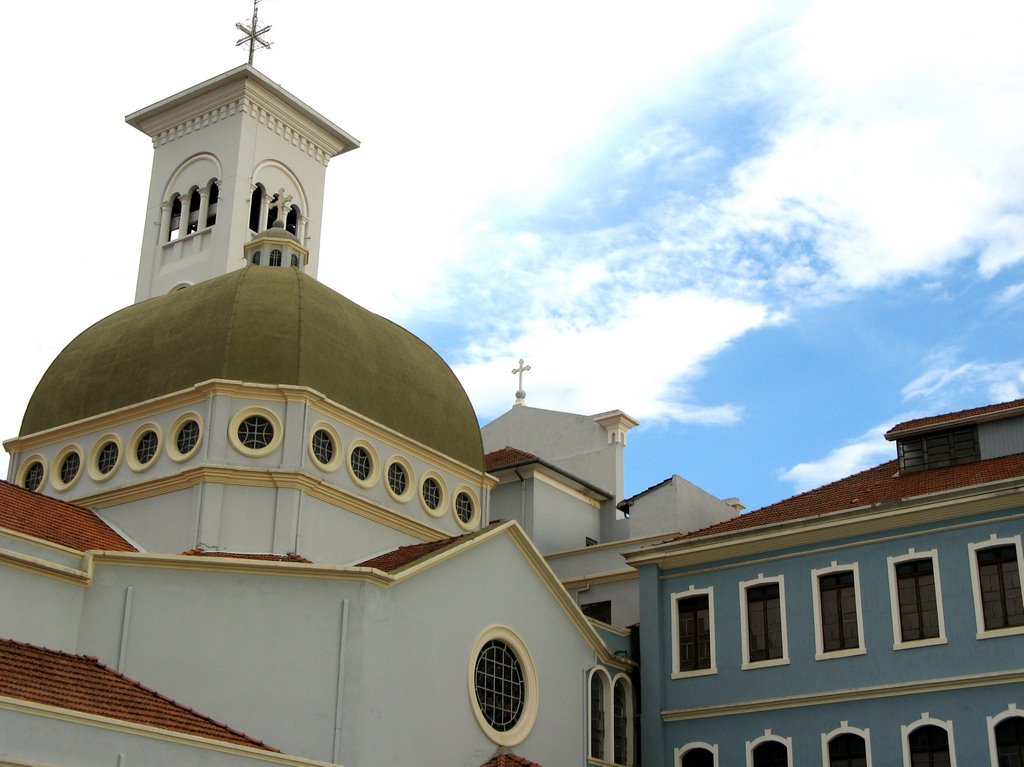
x=500, y=688
x=255, y=432
x=464, y=507
x=34, y=476
x=106, y=461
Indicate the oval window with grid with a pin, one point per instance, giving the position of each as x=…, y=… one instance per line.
x=187, y=437
x=431, y=493
x=69, y=467
x=34, y=476
x=323, y=446
x=398, y=478
x=361, y=463
x=464, y=507
x=106, y=461
x=146, y=447
x=500, y=685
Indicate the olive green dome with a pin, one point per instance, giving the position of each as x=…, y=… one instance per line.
x=261, y=325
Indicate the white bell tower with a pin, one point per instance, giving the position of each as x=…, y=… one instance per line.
x=231, y=156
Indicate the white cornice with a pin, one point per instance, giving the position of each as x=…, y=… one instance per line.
x=1011, y=676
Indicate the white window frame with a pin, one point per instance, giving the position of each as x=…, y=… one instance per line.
x=979, y=616
x=606, y=681
x=819, y=641
x=768, y=735
x=844, y=728
x=992, y=721
x=894, y=599
x=692, y=592
x=628, y=683
x=926, y=719
x=762, y=580
x=681, y=751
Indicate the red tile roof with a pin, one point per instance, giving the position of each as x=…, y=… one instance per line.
x=878, y=485
x=507, y=456
x=81, y=683
x=976, y=412
x=508, y=760
x=391, y=561
x=291, y=556
x=56, y=521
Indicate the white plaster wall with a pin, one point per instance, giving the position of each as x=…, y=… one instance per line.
x=38, y=609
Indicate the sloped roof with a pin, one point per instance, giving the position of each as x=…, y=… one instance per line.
x=392, y=561
x=81, y=683
x=508, y=760
x=289, y=557
x=960, y=415
x=877, y=485
x=507, y=456
x=56, y=521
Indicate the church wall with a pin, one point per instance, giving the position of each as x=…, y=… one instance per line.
x=419, y=637
x=677, y=506
x=24, y=594
x=624, y=596
x=167, y=523
x=329, y=534
x=560, y=521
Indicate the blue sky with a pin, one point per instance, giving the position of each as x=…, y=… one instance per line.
x=768, y=231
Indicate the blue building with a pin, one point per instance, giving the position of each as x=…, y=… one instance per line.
x=876, y=620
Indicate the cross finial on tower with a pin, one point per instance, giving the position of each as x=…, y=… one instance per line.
x=520, y=393
x=253, y=33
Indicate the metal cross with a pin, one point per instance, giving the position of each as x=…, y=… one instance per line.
x=520, y=394
x=253, y=33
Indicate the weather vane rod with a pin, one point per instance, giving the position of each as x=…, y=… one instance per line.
x=253, y=33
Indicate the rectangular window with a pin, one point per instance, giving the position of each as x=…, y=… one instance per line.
x=764, y=623
x=918, y=607
x=838, y=612
x=694, y=633
x=599, y=611
x=933, y=451
x=999, y=587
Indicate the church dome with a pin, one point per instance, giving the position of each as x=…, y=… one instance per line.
x=261, y=325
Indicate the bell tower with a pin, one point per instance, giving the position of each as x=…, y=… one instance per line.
x=231, y=156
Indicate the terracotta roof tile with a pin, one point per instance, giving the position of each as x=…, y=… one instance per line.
x=56, y=521
x=507, y=456
x=81, y=683
x=291, y=556
x=508, y=760
x=391, y=561
x=877, y=485
x=975, y=412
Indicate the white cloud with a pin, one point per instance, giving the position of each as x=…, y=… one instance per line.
x=863, y=452
x=949, y=380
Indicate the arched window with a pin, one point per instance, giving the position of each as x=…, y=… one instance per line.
x=194, y=202
x=698, y=757
x=174, y=228
x=275, y=257
x=295, y=261
x=771, y=753
x=211, y=206
x=255, y=206
x=847, y=750
x=622, y=721
x=256, y=258
x=597, y=711
x=1010, y=742
x=292, y=224
x=929, y=747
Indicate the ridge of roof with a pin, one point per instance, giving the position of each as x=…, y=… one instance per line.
x=291, y=556
x=507, y=456
x=959, y=415
x=655, y=486
x=81, y=683
x=879, y=484
x=392, y=561
x=56, y=521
